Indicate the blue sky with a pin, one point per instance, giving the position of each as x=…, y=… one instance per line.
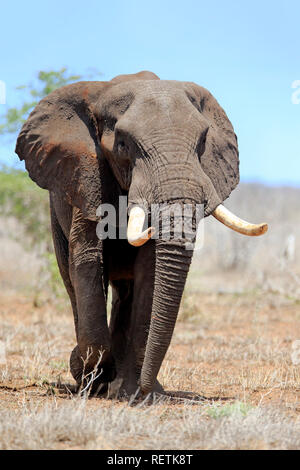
x=246, y=53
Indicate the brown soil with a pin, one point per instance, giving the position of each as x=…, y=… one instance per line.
x=225, y=348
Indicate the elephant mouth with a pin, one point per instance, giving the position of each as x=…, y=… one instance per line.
x=136, y=236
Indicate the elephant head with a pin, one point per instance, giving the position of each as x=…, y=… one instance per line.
x=157, y=141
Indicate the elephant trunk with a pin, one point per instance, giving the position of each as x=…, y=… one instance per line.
x=171, y=269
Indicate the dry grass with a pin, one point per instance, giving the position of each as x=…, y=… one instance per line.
x=229, y=366
x=236, y=370
x=74, y=425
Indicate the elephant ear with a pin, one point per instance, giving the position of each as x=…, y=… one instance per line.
x=59, y=143
x=220, y=161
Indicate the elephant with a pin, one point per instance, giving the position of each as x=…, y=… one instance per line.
x=154, y=142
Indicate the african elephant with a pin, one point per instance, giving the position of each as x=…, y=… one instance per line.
x=151, y=140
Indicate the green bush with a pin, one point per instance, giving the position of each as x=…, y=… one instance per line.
x=22, y=199
x=29, y=204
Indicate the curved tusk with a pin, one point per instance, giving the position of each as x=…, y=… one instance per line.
x=135, y=234
x=239, y=225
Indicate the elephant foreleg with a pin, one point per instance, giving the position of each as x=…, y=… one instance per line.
x=61, y=247
x=122, y=294
x=120, y=324
x=86, y=274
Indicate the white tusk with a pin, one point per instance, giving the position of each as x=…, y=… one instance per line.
x=135, y=234
x=235, y=223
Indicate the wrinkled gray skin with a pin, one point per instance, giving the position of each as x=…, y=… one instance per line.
x=157, y=142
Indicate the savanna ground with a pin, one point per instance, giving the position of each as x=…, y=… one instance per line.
x=232, y=369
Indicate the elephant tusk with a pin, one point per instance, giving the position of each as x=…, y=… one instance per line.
x=135, y=234
x=235, y=223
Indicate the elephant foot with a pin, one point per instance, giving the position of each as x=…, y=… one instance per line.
x=124, y=388
x=88, y=378
x=106, y=382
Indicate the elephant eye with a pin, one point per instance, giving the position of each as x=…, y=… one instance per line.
x=109, y=123
x=121, y=146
